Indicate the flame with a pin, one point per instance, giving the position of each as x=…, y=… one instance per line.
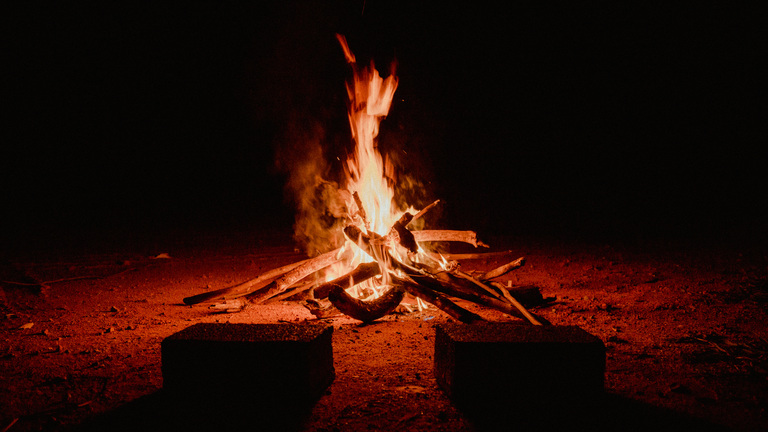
x=369, y=176
x=370, y=97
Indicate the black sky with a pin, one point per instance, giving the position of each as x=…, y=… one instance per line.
x=596, y=117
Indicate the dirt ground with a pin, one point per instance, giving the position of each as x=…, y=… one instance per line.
x=683, y=324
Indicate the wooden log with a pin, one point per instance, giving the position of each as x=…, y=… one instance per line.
x=243, y=288
x=424, y=210
x=506, y=268
x=466, y=256
x=485, y=288
x=296, y=289
x=469, y=237
x=288, y=279
x=320, y=310
x=438, y=300
x=527, y=295
x=464, y=289
x=446, y=283
x=361, y=273
x=405, y=236
x=366, y=311
x=509, y=298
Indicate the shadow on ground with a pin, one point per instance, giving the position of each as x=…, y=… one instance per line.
x=608, y=413
x=164, y=411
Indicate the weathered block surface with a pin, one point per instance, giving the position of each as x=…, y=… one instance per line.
x=254, y=364
x=506, y=364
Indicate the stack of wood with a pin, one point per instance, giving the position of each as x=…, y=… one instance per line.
x=438, y=281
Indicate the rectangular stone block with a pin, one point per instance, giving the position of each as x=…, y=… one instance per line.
x=501, y=365
x=265, y=365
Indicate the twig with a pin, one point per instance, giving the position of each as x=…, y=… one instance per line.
x=10, y=425
x=424, y=210
x=506, y=268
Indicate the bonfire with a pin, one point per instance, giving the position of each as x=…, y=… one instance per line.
x=384, y=259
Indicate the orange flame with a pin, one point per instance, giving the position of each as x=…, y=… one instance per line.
x=370, y=97
x=368, y=175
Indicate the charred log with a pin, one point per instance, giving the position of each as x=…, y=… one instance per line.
x=366, y=311
x=407, y=240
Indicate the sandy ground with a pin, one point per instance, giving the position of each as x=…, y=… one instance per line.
x=683, y=324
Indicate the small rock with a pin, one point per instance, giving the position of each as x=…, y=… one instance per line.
x=113, y=309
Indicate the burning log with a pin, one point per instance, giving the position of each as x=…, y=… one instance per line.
x=447, y=284
x=424, y=210
x=366, y=311
x=405, y=237
x=361, y=273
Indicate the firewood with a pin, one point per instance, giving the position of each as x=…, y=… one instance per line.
x=288, y=279
x=321, y=310
x=405, y=236
x=366, y=311
x=506, y=268
x=466, y=256
x=527, y=295
x=469, y=237
x=436, y=299
x=361, y=273
x=509, y=298
x=485, y=288
x=295, y=290
x=424, y=210
x=243, y=288
x=464, y=289
x=361, y=209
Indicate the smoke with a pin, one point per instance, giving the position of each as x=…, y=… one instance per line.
x=312, y=187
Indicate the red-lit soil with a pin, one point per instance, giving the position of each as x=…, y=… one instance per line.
x=684, y=326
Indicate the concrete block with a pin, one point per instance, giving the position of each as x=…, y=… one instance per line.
x=501, y=365
x=264, y=365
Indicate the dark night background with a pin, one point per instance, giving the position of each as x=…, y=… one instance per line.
x=594, y=119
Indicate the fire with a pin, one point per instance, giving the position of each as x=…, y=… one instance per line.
x=370, y=97
x=369, y=176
